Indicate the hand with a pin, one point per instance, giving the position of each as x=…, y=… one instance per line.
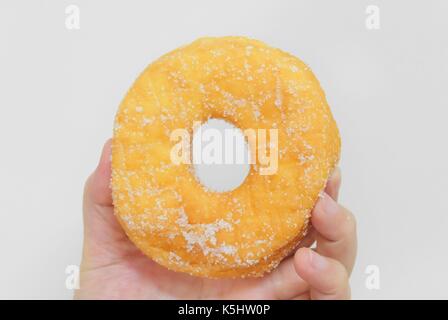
x=113, y=268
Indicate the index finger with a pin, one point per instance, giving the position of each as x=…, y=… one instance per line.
x=335, y=226
x=335, y=231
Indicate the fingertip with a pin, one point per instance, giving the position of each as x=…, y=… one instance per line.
x=334, y=184
x=327, y=277
x=324, y=212
x=331, y=220
x=284, y=281
x=309, y=264
x=302, y=262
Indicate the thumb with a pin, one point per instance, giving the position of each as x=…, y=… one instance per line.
x=97, y=189
x=104, y=239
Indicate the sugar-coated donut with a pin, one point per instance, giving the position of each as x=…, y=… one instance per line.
x=174, y=219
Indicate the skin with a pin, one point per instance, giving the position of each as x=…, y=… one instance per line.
x=113, y=268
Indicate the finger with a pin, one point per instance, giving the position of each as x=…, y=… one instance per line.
x=334, y=184
x=284, y=282
x=97, y=189
x=336, y=231
x=327, y=278
x=104, y=239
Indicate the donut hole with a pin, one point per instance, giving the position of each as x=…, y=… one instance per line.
x=220, y=155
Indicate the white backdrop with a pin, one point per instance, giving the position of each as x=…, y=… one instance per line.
x=60, y=88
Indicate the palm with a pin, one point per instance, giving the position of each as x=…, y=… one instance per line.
x=119, y=270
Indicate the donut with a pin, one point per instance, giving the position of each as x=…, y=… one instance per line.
x=163, y=208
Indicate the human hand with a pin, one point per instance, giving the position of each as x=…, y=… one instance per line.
x=113, y=268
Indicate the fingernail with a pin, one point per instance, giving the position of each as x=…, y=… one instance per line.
x=316, y=260
x=330, y=206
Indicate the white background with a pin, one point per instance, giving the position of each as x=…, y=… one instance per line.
x=59, y=91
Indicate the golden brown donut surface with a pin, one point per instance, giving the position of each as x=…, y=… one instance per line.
x=174, y=219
